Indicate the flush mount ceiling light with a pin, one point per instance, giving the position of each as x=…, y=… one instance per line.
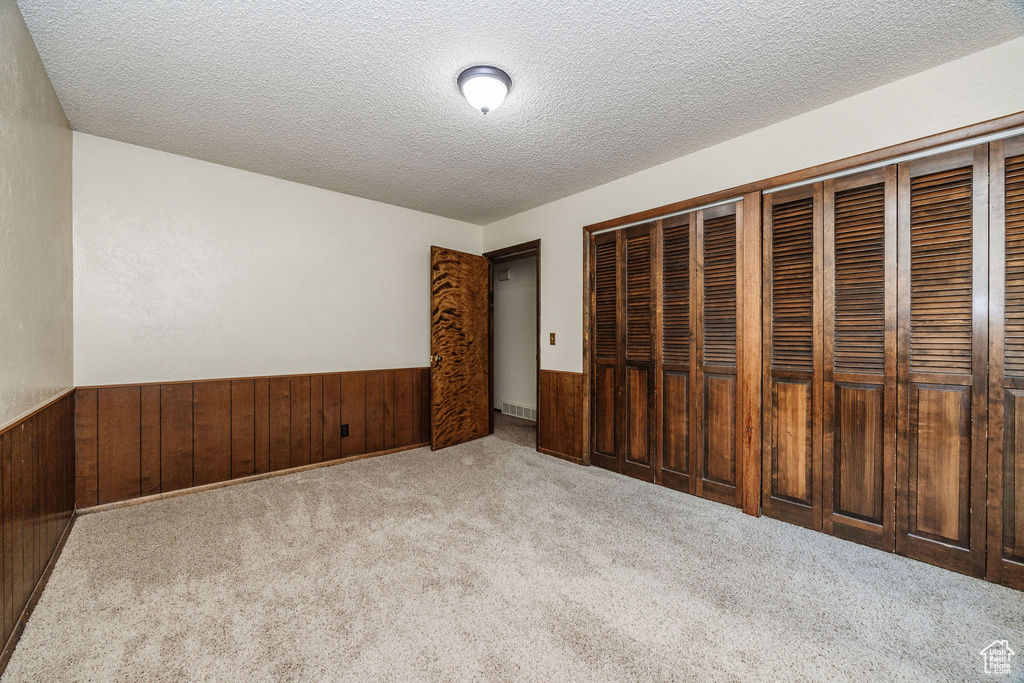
x=484, y=87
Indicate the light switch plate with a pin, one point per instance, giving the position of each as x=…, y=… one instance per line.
x=552, y=338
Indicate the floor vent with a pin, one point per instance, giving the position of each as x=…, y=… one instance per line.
x=516, y=410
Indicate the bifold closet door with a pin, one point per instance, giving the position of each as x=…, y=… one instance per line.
x=792, y=355
x=676, y=351
x=623, y=394
x=714, y=377
x=605, y=302
x=859, y=395
x=942, y=359
x=1006, y=365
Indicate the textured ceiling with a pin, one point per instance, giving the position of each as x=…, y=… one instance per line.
x=359, y=96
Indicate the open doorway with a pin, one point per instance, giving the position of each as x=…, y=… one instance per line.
x=515, y=342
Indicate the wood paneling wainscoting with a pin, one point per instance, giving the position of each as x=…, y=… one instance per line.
x=37, y=503
x=145, y=439
x=560, y=415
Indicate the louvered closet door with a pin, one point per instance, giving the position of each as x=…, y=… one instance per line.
x=1006, y=361
x=604, y=398
x=714, y=327
x=859, y=396
x=676, y=349
x=792, y=356
x=638, y=371
x=942, y=359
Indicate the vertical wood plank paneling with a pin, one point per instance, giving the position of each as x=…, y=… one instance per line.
x=424, y=406
x=280, y=423
x=149, y=477
x=175, y=436
x=85, y=447
x=332, y=417
x=565, y=405
x=8, y=530
x=18, y=516
x=559, y=420
x=118, y=443
x=316, y=418
x=403, y=407
x=389, y=409
x=261, y=425
x=243, y=428
x=300, y=416
x=353, y=413
x=374, y=412
x=417, y=401
x=212, y=431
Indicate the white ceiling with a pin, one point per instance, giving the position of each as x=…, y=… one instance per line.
x=359, y=96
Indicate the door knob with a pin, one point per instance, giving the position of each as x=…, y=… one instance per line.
x=436, y=359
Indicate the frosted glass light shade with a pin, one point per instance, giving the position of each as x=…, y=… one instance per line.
x=484, y=87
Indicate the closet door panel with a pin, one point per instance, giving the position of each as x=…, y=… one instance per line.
x=714, y=329
x=1006, y=365
x=639, y=246
x=676, y=349
x=792, y=300
x=943, y=300
x=605, y=285
x=859, y=392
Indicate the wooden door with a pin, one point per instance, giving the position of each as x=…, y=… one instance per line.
x=792, y=355
x=714, y=377
x=678, y=233
x=638, y=370
x=942, y=359
x=859, y=396
x=460, y=290
x=1006, y=365
x=605, y=300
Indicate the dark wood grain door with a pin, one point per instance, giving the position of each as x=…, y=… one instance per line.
x=859, y=397
x=638, y=369
x=676, y=462
x=1006, y=364
x=792, y=356
x=942, y=359
x=714, y=377
x=460, y=289
x=605, y=303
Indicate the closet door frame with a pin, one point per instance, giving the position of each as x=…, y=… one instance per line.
x=910, y=540
x=880, y=535
x=807, y=515
x=1003, y=565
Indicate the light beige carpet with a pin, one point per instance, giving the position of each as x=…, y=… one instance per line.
x=489, y=561
x=515, y=430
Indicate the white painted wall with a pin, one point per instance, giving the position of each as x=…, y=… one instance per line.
x=515, y=333
x=35, y=228
x=976, y=88
x=186, y=269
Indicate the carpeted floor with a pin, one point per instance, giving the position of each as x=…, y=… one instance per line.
x=515, y=430
x=488, y=561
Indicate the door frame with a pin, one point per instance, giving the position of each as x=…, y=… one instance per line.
x=497, y=257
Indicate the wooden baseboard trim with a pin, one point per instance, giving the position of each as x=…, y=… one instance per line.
x=563, y=456
x=241, y=480
x=44, y=578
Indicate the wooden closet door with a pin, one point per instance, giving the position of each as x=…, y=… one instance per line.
x=605, y=287
x=792, y=356
x=678, y=233
x=1006, y=365
x=638, y=370
x=859, y=395
x=942, y=359
x=714, y=376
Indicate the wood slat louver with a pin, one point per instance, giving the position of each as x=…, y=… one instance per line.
x=638, y=297
x=941, y=221
x=676, y=291
x=606, y=300
x=1014, y=207
x=793, y=285
x=860, y=280
x=720, y=290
